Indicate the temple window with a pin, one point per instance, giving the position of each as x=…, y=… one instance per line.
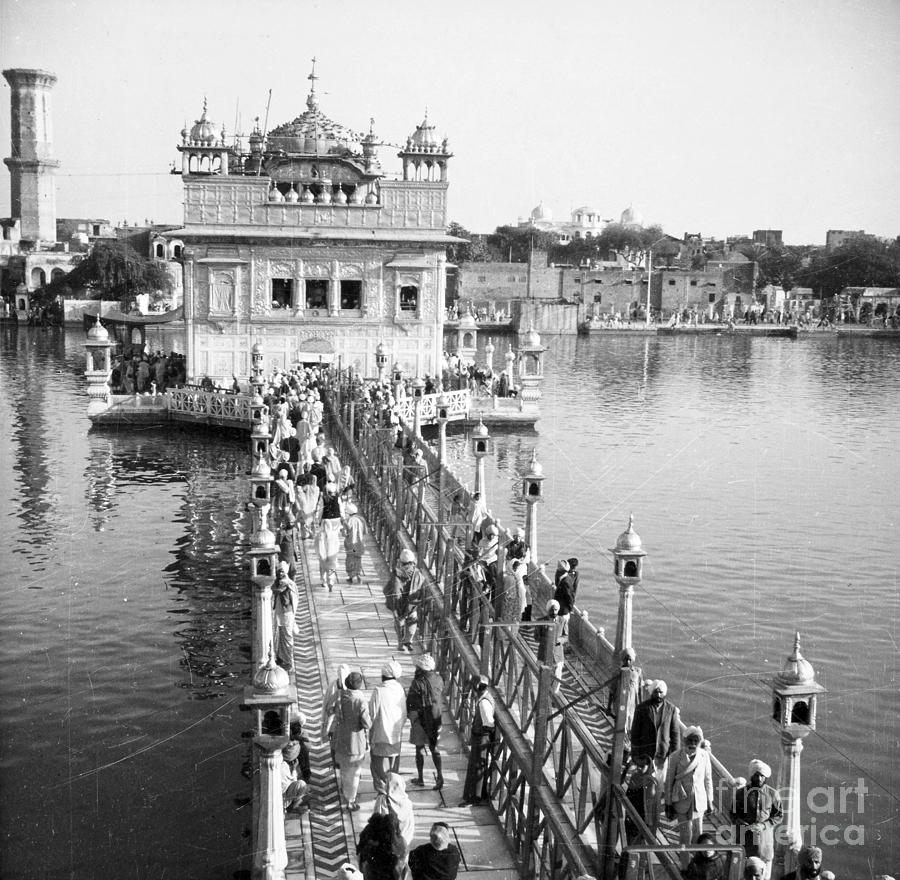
x=176, y=251
x=160, y=250
x=282, y=292
x=712, y=297
x=316, y=294
x=96, y=228
x=351, y=294
x=409, y=298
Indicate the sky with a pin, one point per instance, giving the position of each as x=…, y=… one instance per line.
x=712, y=117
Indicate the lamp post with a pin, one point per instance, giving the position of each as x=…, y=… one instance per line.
x=532, y=492
x=794, y=695
x=381, y=359
x=418, y=390
x=481, y=446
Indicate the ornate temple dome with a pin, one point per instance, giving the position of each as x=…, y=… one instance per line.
x=629, y=541
x=313, y=132
x=203, y=131
x=424, y=138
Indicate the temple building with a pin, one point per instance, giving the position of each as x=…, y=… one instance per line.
x=298, y=239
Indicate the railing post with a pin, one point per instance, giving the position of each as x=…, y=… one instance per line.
x=611, y=817
x=541, y=717
x=486, y=634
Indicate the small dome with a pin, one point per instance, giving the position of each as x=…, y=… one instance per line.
x=424, y=138
x=796, y=670
x=257, y=348
x=537, y=469
x=629, y=541
x=542, y=213
x=480, y=430
x=270, y=678
x=468, y=322
x=532, y=339
x=203, y=131
x=98, y=332
x=261, y=468
x=632, y=217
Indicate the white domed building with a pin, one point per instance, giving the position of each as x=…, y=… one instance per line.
x=584, y=222
x=295, y=237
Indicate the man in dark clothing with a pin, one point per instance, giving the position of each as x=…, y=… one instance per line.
x=706, y=865
x=810, y=866
x=566, y=589
x=757, y=810
x=436, y=860
x=656, y=730
x=318, y=470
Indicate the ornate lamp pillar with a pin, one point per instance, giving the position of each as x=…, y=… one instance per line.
x=628, y=559
x=531, y=369
x=269, y=847
x=381, y=359
x=443, y=416
x=467, y=338
x=257, y=379
x=418, y=390
x=532, y=492
x=263, y=559
x=482, y=445
x=97, y=368
x=794, y=694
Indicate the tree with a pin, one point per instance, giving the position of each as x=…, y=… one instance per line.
x=631, y=243
x=861, y=262
x=776, y=265
x=475, y=250
x=517, y=242
x=114, y=269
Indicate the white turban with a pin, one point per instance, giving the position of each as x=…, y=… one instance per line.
x=661, y=686
x=757, y=766
x=391, y=669
x=694, y=731
x=425, y=662
x=552, y=605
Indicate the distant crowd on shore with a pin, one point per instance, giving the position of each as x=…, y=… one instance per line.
x=140, y=372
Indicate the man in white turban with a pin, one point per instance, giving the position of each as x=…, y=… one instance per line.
x=387, y=709
x=757, y=810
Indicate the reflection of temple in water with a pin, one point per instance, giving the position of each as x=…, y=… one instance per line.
x=206, y=577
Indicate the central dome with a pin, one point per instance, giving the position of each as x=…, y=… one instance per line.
x=313, y=132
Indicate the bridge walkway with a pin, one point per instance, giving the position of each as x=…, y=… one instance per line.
x=352, y=626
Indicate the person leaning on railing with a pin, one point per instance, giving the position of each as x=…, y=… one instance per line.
x=475, y=788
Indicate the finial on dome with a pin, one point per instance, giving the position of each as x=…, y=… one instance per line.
x=311, y=102
x=797, y=655
x=203, y=114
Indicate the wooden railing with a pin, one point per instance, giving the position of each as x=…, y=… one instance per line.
x=549, y=772
x=457, y=406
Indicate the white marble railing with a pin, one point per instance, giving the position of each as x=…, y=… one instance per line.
x=457, y=406
x=212, y=406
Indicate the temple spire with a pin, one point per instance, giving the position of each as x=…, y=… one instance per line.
x=312, y=102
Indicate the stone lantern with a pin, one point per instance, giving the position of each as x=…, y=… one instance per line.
x=261, y=482
x=381, y=359
x=795, y=692
x=532, y=492
x=467, y=338
x=531, y=368
x=271, y=690
x=482, y=445
x=259, y=431
x=263, y=562
x=418, y=391
x=97, y=368
x=628, y=563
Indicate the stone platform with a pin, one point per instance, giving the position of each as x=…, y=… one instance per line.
x=352, y=626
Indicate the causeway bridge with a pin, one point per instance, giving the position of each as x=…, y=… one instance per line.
x=556, y=768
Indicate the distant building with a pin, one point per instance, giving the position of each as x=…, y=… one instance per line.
x=584, y=222
x=836, y=238
x=768, y=237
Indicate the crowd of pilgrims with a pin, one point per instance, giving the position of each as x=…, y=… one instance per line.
x=667, y=771
x=140, y=372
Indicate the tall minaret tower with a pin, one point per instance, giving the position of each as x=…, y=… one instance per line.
x=32, y=166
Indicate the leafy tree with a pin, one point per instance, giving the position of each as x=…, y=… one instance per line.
x=778, y=266
x=517, y=242
x=861, y=262
x=115, y=270
x=632, y=243
x=475, y=250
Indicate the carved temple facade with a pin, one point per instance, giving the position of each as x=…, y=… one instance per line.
x=297, y=239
